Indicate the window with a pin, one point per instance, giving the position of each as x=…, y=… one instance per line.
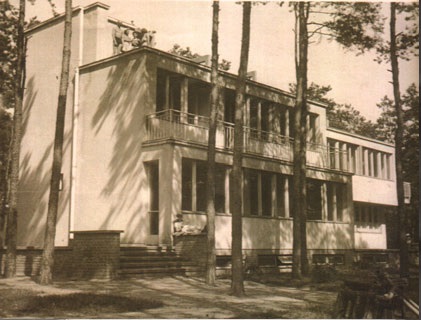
x=160, y=90
x=314, y=200
x=194, y=176
x=187, y=185
x=201, y=177
x=265, y=192
x=252, y=196
x=172, y=81
x=152, y=169
x=254, y=114
x=368, y=216
x=352, y=159
x=175, y=92
x=312, y=127
x=193, y=185
x=199, y=95
x=229, y=105
x=266, y=181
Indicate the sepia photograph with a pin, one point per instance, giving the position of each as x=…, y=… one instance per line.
x=196, y=159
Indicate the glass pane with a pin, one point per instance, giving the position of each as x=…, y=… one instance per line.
x=201, y=177
x=186, y=185
x=220, y=189
x=253, y=192
x=266, y=194
x=314, y=200
x=154, y=185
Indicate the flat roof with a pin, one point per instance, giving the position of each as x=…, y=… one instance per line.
x=359, y=136
x=192, y=63
x=61, y=15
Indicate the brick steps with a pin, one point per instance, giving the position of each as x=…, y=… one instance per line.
x=153, y=260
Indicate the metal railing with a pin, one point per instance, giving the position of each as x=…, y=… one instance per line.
x=178, y=125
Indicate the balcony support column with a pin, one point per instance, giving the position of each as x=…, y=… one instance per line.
x=351, y=159
x=344, y=156
x=379, y=173
x=371, y=155
x=336, y=150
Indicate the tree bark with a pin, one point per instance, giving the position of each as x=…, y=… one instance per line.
x=237, y=285
x=47, y=261
x=402, y=227
x=214, y=100
x=12, y=212
x=300, y=261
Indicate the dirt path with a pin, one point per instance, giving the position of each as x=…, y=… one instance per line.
x=191, y=298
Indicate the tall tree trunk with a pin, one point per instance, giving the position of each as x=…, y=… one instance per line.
x=237, y=285
x=211, y=255
x=47, y=261
x=300, y=261
x=404, y=259
x=11, y=229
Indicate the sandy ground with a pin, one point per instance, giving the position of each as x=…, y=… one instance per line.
x=191, y=298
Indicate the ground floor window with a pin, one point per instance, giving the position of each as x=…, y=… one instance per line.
x=152, y=169
x=368, y=216
x=194, y=176
x=314, y=199
x=266, y=194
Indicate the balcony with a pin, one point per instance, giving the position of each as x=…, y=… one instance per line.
x=192, y=128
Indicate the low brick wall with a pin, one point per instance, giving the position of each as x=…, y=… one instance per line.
x=97, y=254
x=28, y=261
x=91, y=255
x=192, y=247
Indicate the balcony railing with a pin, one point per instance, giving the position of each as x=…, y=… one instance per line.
x=192, y=128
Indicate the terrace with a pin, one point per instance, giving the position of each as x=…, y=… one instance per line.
x=171, y=124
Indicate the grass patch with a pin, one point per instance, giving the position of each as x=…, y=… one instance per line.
x=25, y=302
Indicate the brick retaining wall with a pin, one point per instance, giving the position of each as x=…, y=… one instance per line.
x=192, y=247
x=91, y=255
x=97, y=254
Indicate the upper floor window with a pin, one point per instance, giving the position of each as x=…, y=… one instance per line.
x=168, y=90
x=229, y=105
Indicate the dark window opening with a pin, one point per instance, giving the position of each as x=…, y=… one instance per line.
x=266, y=179
x=187, y=185
x=314, y=200
x=229, y=105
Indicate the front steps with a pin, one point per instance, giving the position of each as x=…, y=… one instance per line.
x=154, y=260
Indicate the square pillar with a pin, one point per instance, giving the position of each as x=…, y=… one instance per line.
x=371, y=159
x=334, y=202
x=337, y=158
x=365, y=162
x=344, y=156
